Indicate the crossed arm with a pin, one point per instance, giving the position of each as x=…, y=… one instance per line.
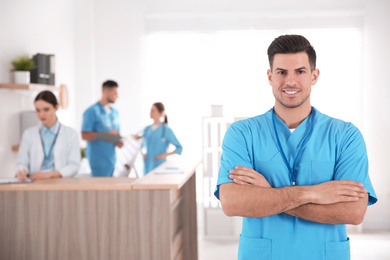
x=333, y=202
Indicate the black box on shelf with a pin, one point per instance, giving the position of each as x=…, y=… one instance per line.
x=44, y=73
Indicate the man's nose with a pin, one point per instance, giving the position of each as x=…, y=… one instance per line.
x=291, y=80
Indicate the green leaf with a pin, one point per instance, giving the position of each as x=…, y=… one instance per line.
x=23, y=64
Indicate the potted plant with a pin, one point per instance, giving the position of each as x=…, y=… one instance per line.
x=22, y=67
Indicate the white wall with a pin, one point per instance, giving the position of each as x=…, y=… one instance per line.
x=26, y=28
x=119, y=50
x=84, y=66
x=377, y=108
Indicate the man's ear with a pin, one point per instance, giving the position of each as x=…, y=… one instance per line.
x=314, y=76
x=269, y=76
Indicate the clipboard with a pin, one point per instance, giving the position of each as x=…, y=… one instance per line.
x=169, y=170
x=14, y=181
x=104, y=136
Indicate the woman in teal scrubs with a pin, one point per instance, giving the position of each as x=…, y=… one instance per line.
x=157, y=137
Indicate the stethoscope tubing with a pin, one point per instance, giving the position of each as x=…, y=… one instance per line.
x=292, y=171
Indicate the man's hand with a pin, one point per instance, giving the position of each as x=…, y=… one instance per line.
x=247, y=176
x=337, y=191
x=119, y=145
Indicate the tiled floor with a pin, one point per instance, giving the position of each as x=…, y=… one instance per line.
x=364, y=246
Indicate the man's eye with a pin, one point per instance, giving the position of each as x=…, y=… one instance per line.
x=301, y=71
x=281, y=72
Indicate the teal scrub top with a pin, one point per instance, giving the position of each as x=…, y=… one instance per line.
x=335, y=150
x=101, y=154
x=156, y=142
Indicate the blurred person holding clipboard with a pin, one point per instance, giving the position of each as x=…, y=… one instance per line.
x=50, y=149
x=101, y=131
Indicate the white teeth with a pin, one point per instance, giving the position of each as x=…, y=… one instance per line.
x=291, y=92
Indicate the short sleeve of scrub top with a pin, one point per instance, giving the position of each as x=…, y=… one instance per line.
x=235, y=153
x=144, y=134
x=89, y=118
x=171, y=138
x=352, y=162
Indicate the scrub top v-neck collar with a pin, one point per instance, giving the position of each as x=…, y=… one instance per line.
x=291, y=144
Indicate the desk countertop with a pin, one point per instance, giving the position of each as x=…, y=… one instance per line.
x=170, y=175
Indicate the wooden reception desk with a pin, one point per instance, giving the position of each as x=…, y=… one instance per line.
x=153, y=217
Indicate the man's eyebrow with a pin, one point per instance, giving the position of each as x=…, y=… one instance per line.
x=297, y=69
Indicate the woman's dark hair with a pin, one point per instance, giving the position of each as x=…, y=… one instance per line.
x=291, y=44
x=47, y=96
x=161, y=108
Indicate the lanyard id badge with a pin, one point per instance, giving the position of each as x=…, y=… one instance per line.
x=47, y=156
x=292, y=170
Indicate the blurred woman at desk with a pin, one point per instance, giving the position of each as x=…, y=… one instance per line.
x=157, y=137
x=50, y=149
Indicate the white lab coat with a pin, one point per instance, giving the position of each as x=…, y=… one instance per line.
x=66, y=151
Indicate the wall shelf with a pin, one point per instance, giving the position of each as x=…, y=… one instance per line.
x=32, y=86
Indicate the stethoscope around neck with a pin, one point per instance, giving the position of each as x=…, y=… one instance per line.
x=163, y=139
x=104, y=114
x=292, y=170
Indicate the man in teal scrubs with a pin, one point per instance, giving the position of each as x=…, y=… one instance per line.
x=296, y=176
x=102, y=117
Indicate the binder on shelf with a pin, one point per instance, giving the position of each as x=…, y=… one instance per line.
x=44, y=73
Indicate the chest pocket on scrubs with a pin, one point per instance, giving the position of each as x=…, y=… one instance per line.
x=254, y=248
x=321, y=171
